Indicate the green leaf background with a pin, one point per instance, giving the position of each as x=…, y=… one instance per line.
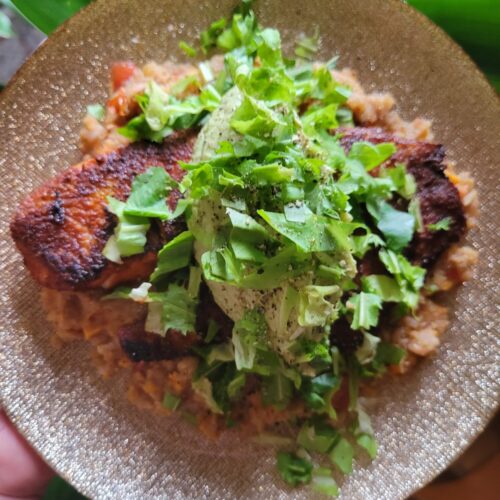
x=47, y=15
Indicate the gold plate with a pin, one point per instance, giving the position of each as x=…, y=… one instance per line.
x=84, y=427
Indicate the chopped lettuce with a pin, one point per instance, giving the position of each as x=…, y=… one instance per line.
x=410, y=278
x=203, y=387
x=371, y=155
x=318, y=393
x=366, y=308
x=317, y=305
x=316, y=234
x=307, y=46
x=368, y=349
x=293, y=469
x=396, y=226
x=323, y=482
x=248, y=333
x=368, y=443
x=129, y=236
x=148, y=195
x=171, y=401
x=189, y=50
x=317, y=436
x=176, y=254
x=385, y=287
x=274, y=203
x=277, y=390
x=163, y=113
x=342, y=455
x=173, y=309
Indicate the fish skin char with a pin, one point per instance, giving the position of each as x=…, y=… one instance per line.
x=63, y=226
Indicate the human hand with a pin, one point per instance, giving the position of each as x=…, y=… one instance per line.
x=23, y=474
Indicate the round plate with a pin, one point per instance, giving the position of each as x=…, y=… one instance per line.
x=84, y=427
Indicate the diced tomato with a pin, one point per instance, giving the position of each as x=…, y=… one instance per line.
x=121, y=72
x=119, y=102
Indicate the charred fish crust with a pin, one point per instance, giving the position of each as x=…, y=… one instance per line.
x=140, y=345
x=61, y=237
x=437, y=196
x=57, y=209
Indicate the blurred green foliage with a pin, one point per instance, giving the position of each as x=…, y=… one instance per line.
x=47, y=15
x=58, y=489
x=474, y=24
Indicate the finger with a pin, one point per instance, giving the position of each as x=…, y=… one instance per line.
x=22, y=472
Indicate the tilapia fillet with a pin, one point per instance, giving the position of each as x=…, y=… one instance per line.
x=63, y=226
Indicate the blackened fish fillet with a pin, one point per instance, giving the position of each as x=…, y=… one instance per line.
x=62, y=227
x=438, y=197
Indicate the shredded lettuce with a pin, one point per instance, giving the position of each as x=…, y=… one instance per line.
x=176, y=254
x=323, y=482
x=293, y=469
x=173, y=309
x=397, y=226
x=248, y=333
x=366, y=308
x=129, y=236
x=342, y=455
x=317, y=305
